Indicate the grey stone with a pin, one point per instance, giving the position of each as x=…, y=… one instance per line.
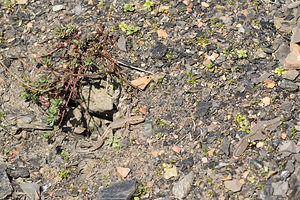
x=206, y=94
x=119, y=191
x=282, y=25
x=294, y=4
x=297, y=157
x=32, y=190
x=148, y=128
x=266, y=192
x=122, y=43
x=296, y=35
x=284, y=175
x=282, y=53
x=5, y=186
x=290, y=74
x=96, y=100
x=263, y=77
x=182, y=188
x=292, y=60
x=226, y=20
x=286, y=105
x=159, y=50
x=202, y=108
x=17, y=172
x=233, y=185
x=289, y=147
x=203, y=131
x=289, y=85
x=290, y=166
x=58, y=8
x=294, y=183
x=259, y=53
x=280, y=188
x=78, y=10
x=225, y=146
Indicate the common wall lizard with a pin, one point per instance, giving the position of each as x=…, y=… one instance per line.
x=119, y=123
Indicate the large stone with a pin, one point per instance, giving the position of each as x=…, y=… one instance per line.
x=96, y=100
x=289, y=147
x=289, y=85
x=282, y=25
x=290, y=74
x=183, y=187
x=32, y=190
x=292, y=60
x=296, y=35
x=294, y=183
x=282, y=53
x=280, y=188
x=159, y=50
x=5, y=186
x=120, y=191
x=122, y=43
x=233, y=185
x=58, y=8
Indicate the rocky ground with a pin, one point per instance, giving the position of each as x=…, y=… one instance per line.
x=221, y=113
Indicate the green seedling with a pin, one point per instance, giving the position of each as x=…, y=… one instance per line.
x=6, y=152
x=10, y=5
x=231, y=3
x=149, y=5
x=114, y=141
x=257, y=23
x=104, y=160
x=260, y=187
x=48, y=137
x=280, y=71
x=170, y=56
x=142, y=190
x=129, y=29
x=243, y=123
x=129, y=7
x=293, y=132
x=64, y=173
x=65, y=32
x=242, y=53
x=192, y=79
x=160, y=136
x=65, y=155
x=83, y=189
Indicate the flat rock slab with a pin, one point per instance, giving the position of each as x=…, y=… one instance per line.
x=5, y=186
x=233, y=185
x=183, y=187
x=119, y=191
x=290, y=74
x=159, y=50
x=280, y=188
x=32, y=190
x=292, y=60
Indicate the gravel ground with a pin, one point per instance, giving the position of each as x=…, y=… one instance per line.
x=222, y=115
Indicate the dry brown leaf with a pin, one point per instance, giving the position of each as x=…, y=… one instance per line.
x=269, y=83
x=141, y=83
x=155, y=153
x=266, y=101
x=176, y=149
x=123, y=172
x=143, y=110
x=162, y=33
x=210, y=153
